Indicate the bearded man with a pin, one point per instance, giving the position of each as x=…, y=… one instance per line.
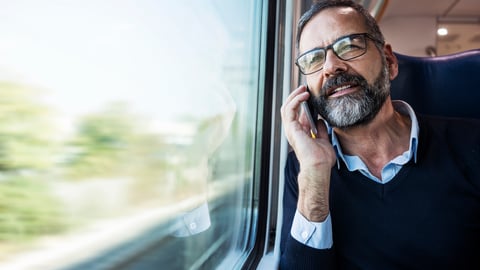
x=377, y=186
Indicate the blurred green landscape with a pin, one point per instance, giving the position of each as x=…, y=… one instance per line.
x=109, y=163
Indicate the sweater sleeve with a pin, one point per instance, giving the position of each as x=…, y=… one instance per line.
x=294, y=254
x=298, y=256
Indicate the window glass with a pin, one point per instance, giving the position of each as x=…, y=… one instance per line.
x=128, y=133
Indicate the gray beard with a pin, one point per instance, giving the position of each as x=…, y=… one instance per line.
x=357, y=108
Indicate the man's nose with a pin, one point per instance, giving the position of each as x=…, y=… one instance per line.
x=333, y=64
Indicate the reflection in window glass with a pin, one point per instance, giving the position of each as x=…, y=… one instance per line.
x=127, y=133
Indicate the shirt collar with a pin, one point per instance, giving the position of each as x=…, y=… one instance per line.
x=400, y=106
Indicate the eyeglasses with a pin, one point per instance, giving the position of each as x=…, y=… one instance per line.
x=345, y=48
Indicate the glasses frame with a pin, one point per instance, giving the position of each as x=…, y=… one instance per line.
x=325, y=49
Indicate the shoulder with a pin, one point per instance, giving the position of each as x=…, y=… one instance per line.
x=451, y=128
x=454, y=139
x=458, y=133
x=448, y=121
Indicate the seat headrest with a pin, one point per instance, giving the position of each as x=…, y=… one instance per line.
x=445, y=85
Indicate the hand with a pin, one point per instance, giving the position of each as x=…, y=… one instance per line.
x=316, y=157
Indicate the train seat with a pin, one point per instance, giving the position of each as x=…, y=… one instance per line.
x=444, y=85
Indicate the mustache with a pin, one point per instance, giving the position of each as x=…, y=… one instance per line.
x=340, y=80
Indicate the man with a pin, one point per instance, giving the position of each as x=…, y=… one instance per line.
x=378, y=187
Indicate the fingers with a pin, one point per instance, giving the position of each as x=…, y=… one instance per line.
x=316, y=126
x=296, y=92
x=311, y=151
x=290, y=108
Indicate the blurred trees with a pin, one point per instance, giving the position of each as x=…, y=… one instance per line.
x=108, y=145
x=26, y=153
x=102, y=144
x=25, y=131
x=28, y=209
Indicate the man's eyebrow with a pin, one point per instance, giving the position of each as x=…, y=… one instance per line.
x=334, y=41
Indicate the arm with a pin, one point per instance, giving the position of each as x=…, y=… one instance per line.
x=307, y=183
x=316, y=158
x=294, y=254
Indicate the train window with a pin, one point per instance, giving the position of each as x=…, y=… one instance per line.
x=130, y=133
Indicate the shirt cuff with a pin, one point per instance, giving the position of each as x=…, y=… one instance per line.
x=313, y=234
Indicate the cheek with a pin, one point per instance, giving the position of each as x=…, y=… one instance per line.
x=372, y=72
x=315, y=82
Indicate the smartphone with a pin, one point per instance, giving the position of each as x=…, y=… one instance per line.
x=309, y=112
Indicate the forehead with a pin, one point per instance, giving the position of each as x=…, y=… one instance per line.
x=330, y=24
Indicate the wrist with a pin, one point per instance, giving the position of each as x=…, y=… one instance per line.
x=314, y=212
x=313, y=197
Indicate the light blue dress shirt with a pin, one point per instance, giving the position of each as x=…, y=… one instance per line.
x=319, y=234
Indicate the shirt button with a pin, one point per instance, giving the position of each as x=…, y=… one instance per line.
x=304, y=235
x=193, y=226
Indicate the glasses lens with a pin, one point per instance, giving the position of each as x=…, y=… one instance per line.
x=350, y=47
x=311, y=61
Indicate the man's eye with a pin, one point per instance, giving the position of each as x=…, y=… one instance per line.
x=311, y=59
x=344, y=48
x=348, y=48
x=315, y=58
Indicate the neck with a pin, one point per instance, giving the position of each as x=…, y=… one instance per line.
x=378, y=142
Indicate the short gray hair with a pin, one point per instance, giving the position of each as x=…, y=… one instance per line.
x=370, y=22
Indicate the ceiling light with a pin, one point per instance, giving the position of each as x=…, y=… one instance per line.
x=442, y=31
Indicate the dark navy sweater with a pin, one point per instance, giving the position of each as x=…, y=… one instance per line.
x=426, y=217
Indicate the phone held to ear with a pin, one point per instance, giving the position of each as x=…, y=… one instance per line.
x=313, y=125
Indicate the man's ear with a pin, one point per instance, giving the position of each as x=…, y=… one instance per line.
x=392, y=62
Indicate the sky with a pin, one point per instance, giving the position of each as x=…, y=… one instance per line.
x=163, y=57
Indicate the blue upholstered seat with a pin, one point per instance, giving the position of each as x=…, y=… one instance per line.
x=445, y=85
